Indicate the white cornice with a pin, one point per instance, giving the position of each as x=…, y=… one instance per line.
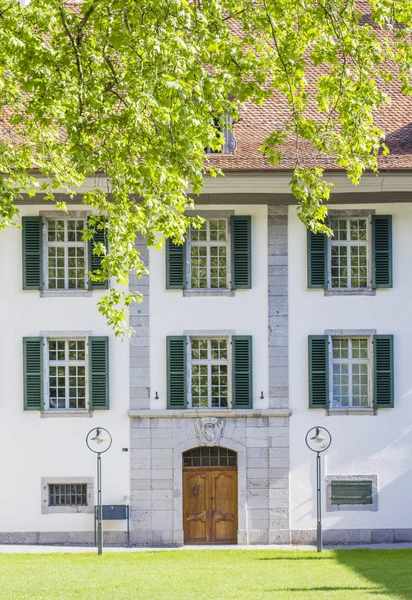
x=276, y=183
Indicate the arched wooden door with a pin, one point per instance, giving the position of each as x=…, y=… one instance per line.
x=210, y=496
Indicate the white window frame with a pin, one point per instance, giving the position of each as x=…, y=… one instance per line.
x=66, y=363
x=209, y=244
x=333, y=361
x=210, y=336
x=60, y=216
x=333, y=242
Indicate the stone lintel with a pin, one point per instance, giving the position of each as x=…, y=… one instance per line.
x=195, y=413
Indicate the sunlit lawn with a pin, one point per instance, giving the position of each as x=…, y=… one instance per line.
x=209, y=575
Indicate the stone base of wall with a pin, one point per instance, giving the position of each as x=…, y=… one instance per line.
x=62, y=538
x=338, y=537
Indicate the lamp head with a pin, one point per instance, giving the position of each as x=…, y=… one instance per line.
x=99, y=437
x=318, y=438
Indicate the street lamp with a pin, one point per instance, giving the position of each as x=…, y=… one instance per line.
x=99, y=440
x=318, y=439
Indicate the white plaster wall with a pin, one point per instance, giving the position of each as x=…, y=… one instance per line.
x=246, y=313
x=32, y=447
x=381, y=444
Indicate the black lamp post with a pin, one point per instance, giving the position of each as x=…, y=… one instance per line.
x=318, y=439
x=99, y=440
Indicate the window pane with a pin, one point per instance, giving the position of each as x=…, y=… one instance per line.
x=68, y=495
x=208, y=255
x=340, y=348
x=350, y=374
x=199, y=235
x=340, y=385
x=209, y=372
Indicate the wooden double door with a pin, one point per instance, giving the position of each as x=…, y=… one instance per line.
x=210, y=505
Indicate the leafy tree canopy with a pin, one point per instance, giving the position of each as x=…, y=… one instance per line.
x=131, y=88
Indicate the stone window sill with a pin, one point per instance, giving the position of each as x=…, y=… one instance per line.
x=357, y=292
x=351, y=411
x=46, y=414
x=207, y=292
x=66, y=294
x=48, y=510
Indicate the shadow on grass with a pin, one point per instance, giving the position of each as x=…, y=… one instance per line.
x=389, y=569
x=303, y=558
x=371, y=590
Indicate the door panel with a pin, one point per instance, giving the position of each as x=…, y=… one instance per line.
x=210, y=506
x=224, y=506
x=196, y=507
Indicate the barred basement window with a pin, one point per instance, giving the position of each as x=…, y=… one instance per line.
x=209, y=373
x=66, y=254
x=209, y=255
x=351, y=372
x=350, y=254
x=209, y=457
x=66, y=364
x=72, y=494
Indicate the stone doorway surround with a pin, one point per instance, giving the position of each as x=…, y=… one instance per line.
x=261, y=440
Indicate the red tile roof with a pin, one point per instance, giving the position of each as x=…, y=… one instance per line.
x=256, y=123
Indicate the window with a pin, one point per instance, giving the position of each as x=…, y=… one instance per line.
x=66, y=254
x=206, y=456
x=209, y=254
x=61, y=494
x=67, y=495
x=229, y=142
x=351, y=492
x=66, y=364
x=209, y=377
x=349, y=268
x=350, y=368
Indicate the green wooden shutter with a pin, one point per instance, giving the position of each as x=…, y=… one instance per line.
x=33, y=373
x=318, y=371
x=317, y=260
x=176, y=371
x=242, y=371
x=175, y=266
x=95, y=262
x=383, y=384
x=382, y=251
x=351, y=492
x=241, y=252
x=32, y=253
x=99, y=373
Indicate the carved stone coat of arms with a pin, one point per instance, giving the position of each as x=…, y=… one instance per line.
x=209, y=430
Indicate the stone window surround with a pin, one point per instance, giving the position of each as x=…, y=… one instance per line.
x=46, y=509
x=369, y=333
x=208, y=333
x=195, y=292
x=59, y=413
x=369, y=291
x=346, y=507
x=58, y=214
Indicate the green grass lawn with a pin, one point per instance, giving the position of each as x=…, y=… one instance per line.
x=209, y=575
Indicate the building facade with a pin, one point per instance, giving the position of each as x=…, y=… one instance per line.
x=247, y=337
